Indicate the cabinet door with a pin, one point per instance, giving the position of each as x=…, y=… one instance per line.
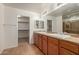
x=44, y=44
x=40, y=41
x=36, y=39
x=65, y=52
x=52, y=46
x=70, y=46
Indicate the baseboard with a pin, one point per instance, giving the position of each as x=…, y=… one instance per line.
x=11, y=46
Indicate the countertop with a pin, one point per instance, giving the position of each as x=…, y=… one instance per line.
x=61, y=36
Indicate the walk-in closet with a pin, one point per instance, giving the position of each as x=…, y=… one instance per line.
x=23, y=29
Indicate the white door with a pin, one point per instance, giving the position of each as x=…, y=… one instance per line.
x=11, y=36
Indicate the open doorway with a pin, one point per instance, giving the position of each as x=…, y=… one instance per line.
x=49, y=25
x=23, y=29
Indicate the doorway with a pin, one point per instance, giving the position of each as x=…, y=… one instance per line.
x=49, y=25
x=23, y=29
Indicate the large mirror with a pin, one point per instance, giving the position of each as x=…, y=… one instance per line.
x=71, y=23
x=39, y=24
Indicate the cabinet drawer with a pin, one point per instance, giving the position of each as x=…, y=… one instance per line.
x=70, y=46
x=53, y=40
x=65, y=52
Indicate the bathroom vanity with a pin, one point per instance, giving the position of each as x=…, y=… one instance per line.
x=56, y=44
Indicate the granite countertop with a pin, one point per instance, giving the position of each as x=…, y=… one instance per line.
x=61, y=36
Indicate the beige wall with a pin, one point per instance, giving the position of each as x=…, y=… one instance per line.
x=1, y=27
x=8, y=26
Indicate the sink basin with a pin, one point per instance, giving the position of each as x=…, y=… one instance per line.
x=61, y=36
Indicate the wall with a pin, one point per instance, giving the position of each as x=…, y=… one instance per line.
x=1, y=27
x=33, y=17
x=56, y=20
x=8, y=26
x=57, y=25
x=47, y=18
x=40, y=29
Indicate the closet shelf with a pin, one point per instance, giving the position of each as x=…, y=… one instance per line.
x=22, y=37
x=23, y=30
x=22, y=22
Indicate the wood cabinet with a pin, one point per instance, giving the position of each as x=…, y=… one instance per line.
x=64, y=51
x=40, y=41
x=36, y=39
x=44, y=44
x=71, y=47
x=52, y=46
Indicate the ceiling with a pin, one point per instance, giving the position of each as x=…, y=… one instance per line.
x=34, y=7
x=67, y=9
x=39, y=7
